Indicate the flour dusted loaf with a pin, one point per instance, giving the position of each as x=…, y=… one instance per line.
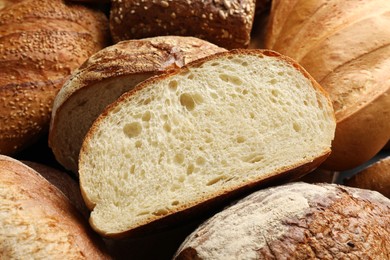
x=201, y=134
x=104, y=77
x=226, y=23
x=375, y=176
x=345, y=46
x=296, y=221
x=37, y=220
x=41, y=44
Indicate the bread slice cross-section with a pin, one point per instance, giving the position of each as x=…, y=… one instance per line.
x=199, y=135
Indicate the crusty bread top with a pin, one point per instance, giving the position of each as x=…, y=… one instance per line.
x=104, y=77
x=38, y=221
x=296, y=221
x=205, y=130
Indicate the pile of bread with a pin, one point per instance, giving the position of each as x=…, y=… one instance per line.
x=218, y=129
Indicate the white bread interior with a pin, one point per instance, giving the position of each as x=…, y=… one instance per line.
x=183, y=138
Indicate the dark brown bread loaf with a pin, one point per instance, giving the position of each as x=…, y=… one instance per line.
x=296, y=221
x=41, y=43
x=226, y=23
x=37, y=220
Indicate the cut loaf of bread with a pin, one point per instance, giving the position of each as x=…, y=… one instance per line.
x=199, y=135
x=37, y=221
x=296, y=221
x=104, y=77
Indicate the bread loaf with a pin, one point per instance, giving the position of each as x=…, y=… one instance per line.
x=296, y=221
x=344, y=45
x=104, y=77
x=225, y=23
x=37, y=221
x=200, y=134
x=41, y=43
x=376, y=177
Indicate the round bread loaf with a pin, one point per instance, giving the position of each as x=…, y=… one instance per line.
x=37, y=220
x=225, y=23
x=345, y=46
x=41, y=44
x=104, y=77
x=296, y=221
x=374, y=177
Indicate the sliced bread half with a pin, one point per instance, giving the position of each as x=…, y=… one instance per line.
x=199, y=135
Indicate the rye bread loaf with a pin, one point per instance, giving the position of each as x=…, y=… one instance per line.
x=226, y=23
x=375, y=176
x=41, y=44
x=296, y=221
x=104, y=77
x=326, y=38
x=200, y=134
x=37, y=221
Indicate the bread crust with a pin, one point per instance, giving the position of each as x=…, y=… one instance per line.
x=131, y=61
x=41, y=43
x=225, y=23
x=41, y=203
x=322, y=221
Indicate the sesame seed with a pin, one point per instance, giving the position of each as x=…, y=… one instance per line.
x=164, y=4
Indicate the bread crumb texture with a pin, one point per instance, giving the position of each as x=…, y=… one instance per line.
x=207, y=129
x=296, y=221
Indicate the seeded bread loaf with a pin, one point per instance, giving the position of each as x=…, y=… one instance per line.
x=226, y=23
x=104, y=77
x=37, y=221
x=200, y=134
x=296, y=221
x=376, y=177
x=326, y=38
x=41, y=43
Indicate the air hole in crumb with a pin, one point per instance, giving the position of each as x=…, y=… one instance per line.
x=190, y=100
x=214, y=64
x=273, y=81
x=244, y=63
x=252, y=115
x=173, y=85
x=297, y=127
x=191, y=76
x=190, y=169
x=253, y=158
x=215, y=180
x=175, y=203
x=167, y=127
x=240, y=139
x=275, y=93
x=138, y=144
x=200, y=161
x=209, y=140
x=132, y=129
x=214, y=95
x=305, y=102
x=132, y=169
x=179, y=158
x=232, y=79
x=280, y=73
x=147, y=101
x=143, y=213
x=146, y=116
x=160, y=212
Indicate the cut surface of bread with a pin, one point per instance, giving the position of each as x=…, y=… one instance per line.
x=104, y=77
x=227, y=121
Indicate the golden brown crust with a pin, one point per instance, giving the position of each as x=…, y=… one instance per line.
x=41, y=43
x=225, y=23
x=374, y=177
x=40, y=201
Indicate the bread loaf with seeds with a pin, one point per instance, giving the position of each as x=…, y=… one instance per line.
x=226, y=23
x=296, y=221
x=199, y=135
x=38, y=221
x=104, y=77
x=41, y=44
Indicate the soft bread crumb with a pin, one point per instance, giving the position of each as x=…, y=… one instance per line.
x=185, y=138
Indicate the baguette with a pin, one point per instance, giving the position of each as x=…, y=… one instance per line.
x=296, y=221
x=326, y=38
x=104, y=77
x=41, y=44
x=199, y=135
x=37, y=221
